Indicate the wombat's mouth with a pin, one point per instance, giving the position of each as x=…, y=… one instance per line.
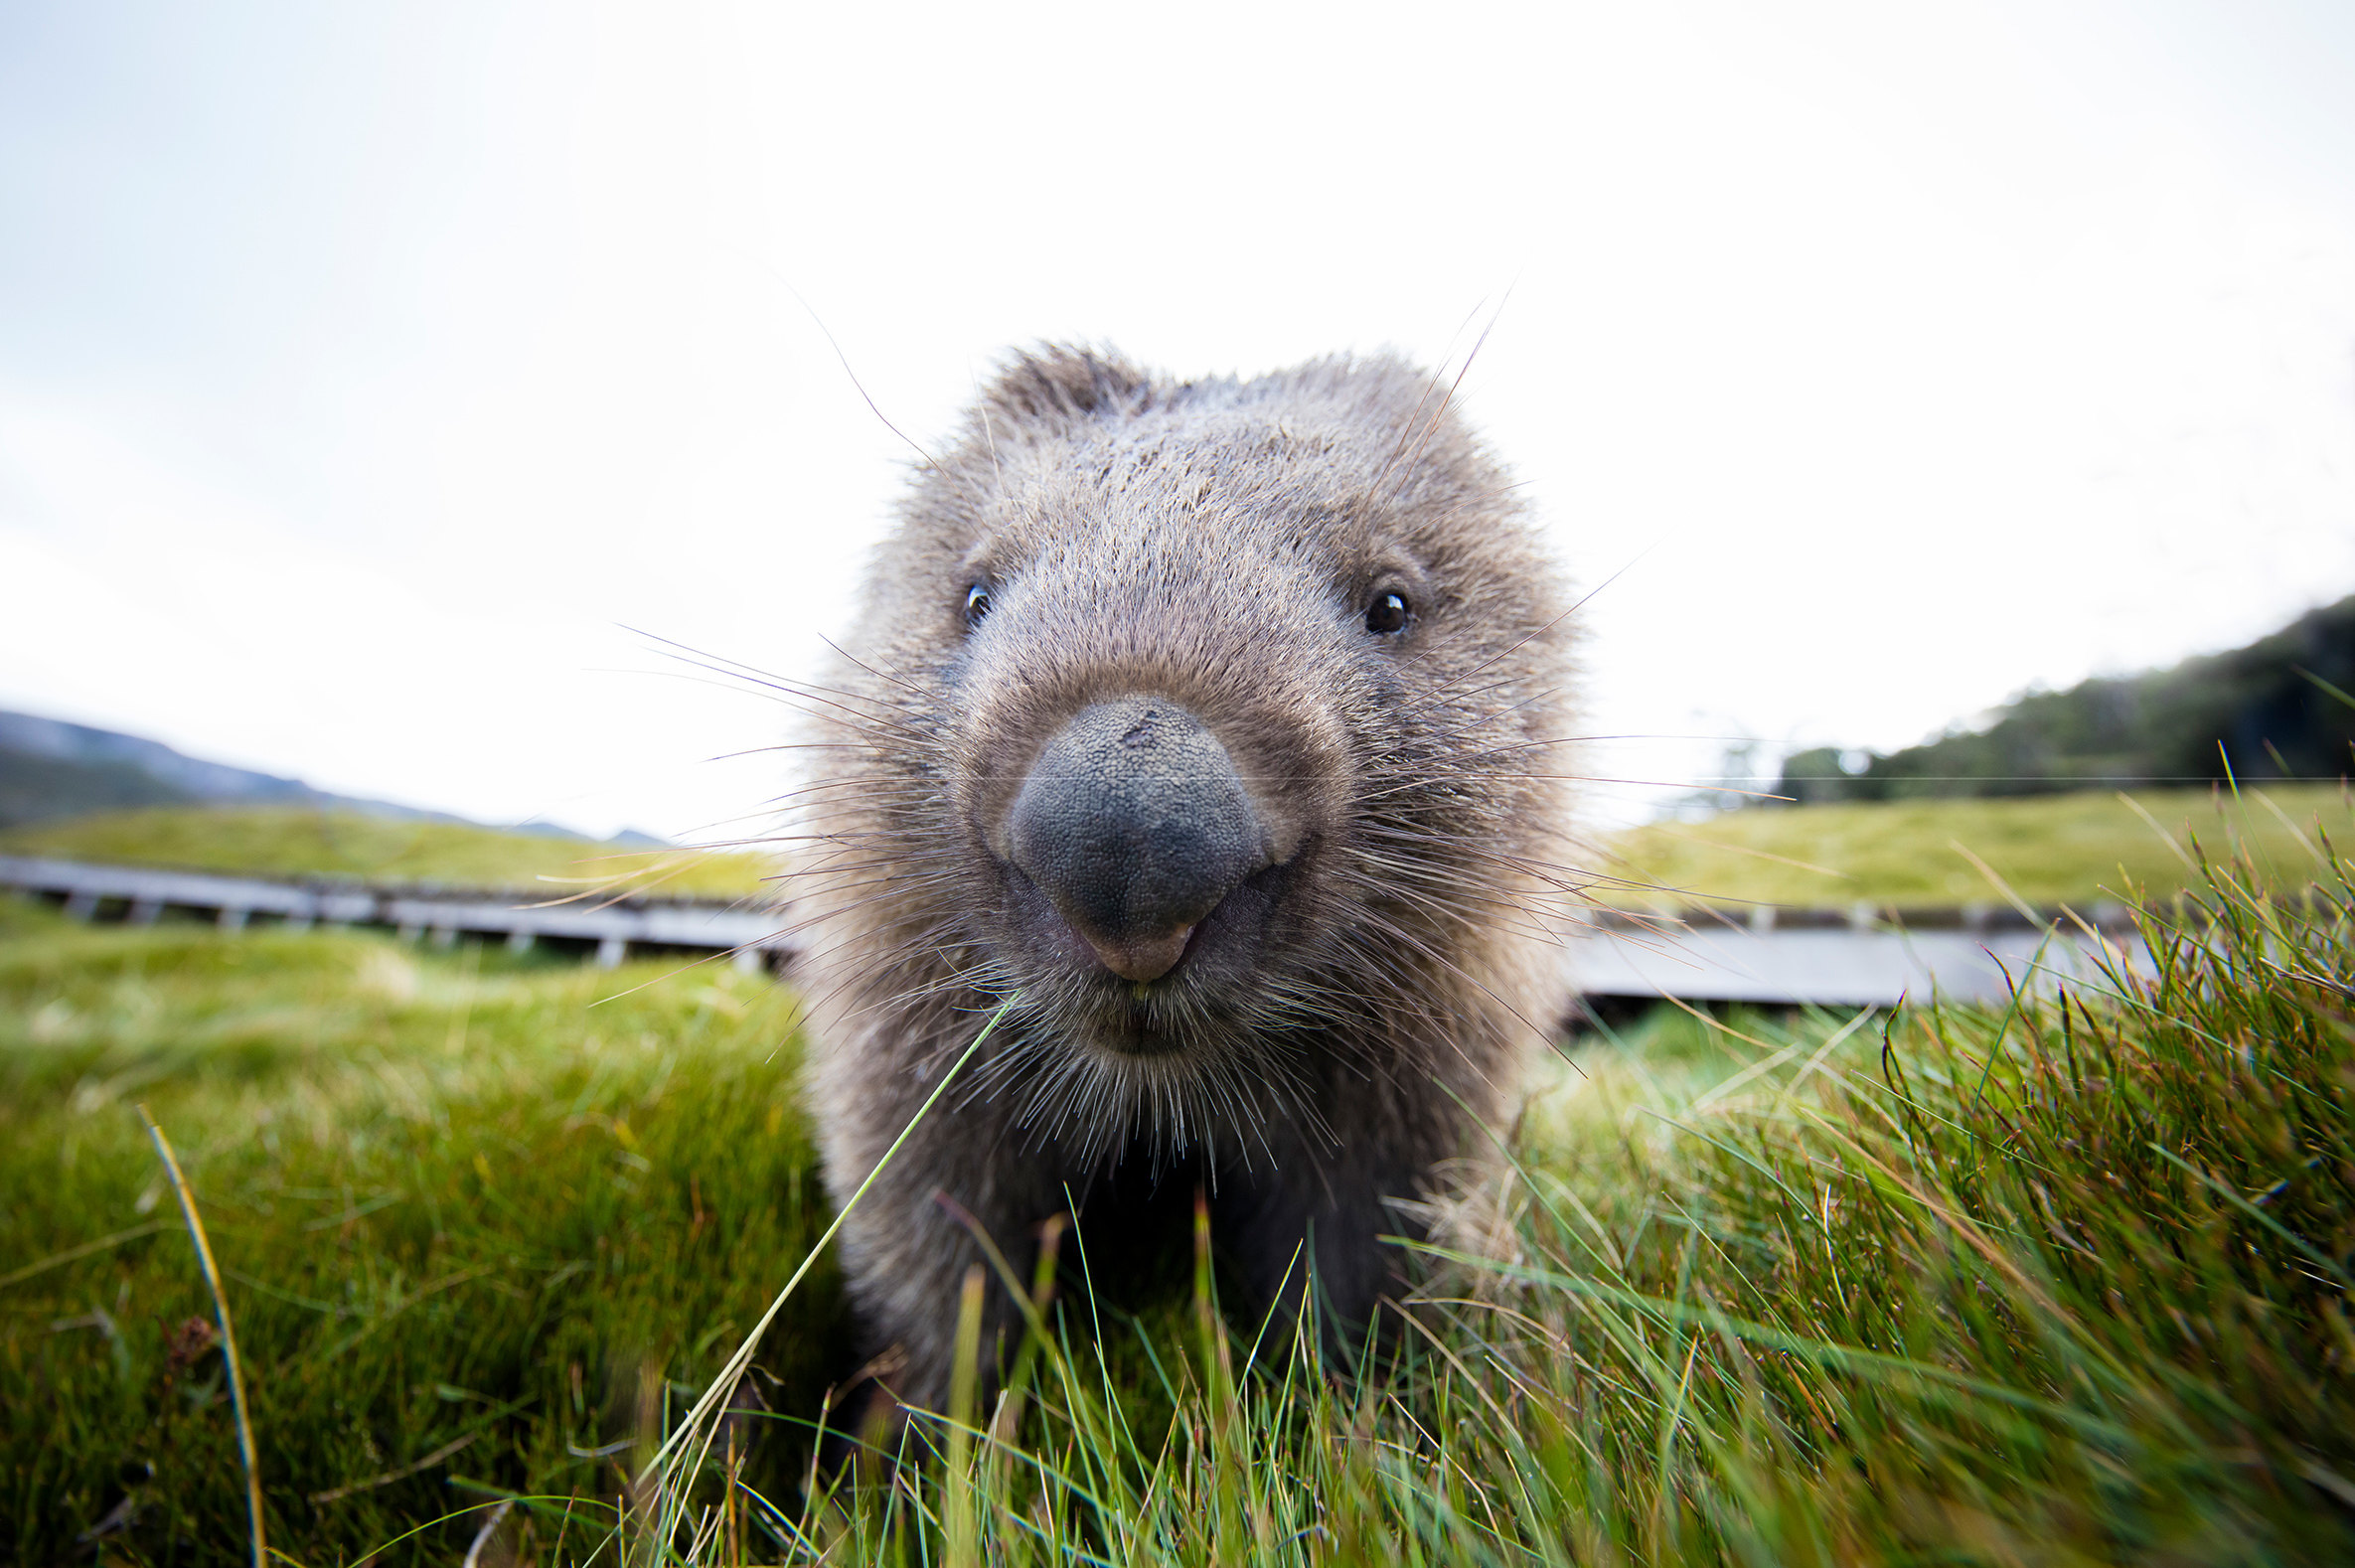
x=1217, y=963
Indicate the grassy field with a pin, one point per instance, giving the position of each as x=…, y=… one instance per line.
x=297, y=842
x=2050, y=848
x=2055, y=849
x=2065, y=1284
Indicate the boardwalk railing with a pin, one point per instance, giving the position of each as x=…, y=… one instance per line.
x=610, y=927
x=1864, y=955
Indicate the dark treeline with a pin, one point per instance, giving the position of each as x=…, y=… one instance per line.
x=2269, y=706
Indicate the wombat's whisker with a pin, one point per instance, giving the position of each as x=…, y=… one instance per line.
x=883, y=672
x=1529, y=864
x=832, y=697
x=1483, y=908
x=767, y=690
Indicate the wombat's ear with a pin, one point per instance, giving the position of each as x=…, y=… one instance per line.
x=1053, y=388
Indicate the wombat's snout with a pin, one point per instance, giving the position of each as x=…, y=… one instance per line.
x=1135, y=825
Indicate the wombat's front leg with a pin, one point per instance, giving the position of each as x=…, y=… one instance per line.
x=1308, y=1233
x=909, y=1244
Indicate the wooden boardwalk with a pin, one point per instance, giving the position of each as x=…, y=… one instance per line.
x=610, y=927
x=1851, y=958
x=1775, y=957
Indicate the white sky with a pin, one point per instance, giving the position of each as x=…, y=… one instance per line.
x=364, y=370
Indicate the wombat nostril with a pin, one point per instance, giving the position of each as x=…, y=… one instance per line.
x=1134, y=825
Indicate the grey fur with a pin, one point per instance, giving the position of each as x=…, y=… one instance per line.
x=1338, y=1023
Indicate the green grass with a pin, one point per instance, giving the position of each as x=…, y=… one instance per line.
x=297, y=842
x=2051, y=849
x=2061, y=1284
x=454, y=1200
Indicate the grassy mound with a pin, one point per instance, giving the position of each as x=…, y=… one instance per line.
x=455, y=1203
x=294, y=841
x=2051, y=849
x=2063, y=1283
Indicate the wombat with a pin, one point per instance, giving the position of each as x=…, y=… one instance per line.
x=1206, y=728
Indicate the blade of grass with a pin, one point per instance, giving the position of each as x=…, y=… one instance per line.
x=2324, y=684
x=70, y=1254
x=963, y=1547
x=2321, y=1259
x=229, y=1338
x=1995, y=880
x=1853, y=1359
x=666, y=1459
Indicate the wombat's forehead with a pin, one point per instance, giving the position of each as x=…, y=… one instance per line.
x=1225, y=482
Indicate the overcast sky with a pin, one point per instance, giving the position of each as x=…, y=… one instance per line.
x=365, y=370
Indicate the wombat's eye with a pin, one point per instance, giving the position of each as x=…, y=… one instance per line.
x=977, y=603
x=1387, y=614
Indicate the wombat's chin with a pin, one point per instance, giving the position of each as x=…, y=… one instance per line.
x=1121, y=1036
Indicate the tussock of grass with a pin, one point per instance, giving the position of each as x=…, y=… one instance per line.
x=2051, y=849
x=292, y=840
x=453, y=1202
x=2061, y=1283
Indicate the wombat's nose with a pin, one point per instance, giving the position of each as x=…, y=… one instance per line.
x=1134, y=824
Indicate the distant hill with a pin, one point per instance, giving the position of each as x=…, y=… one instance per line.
x=52, y=770
x=2269, y=706
x=347, y=845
